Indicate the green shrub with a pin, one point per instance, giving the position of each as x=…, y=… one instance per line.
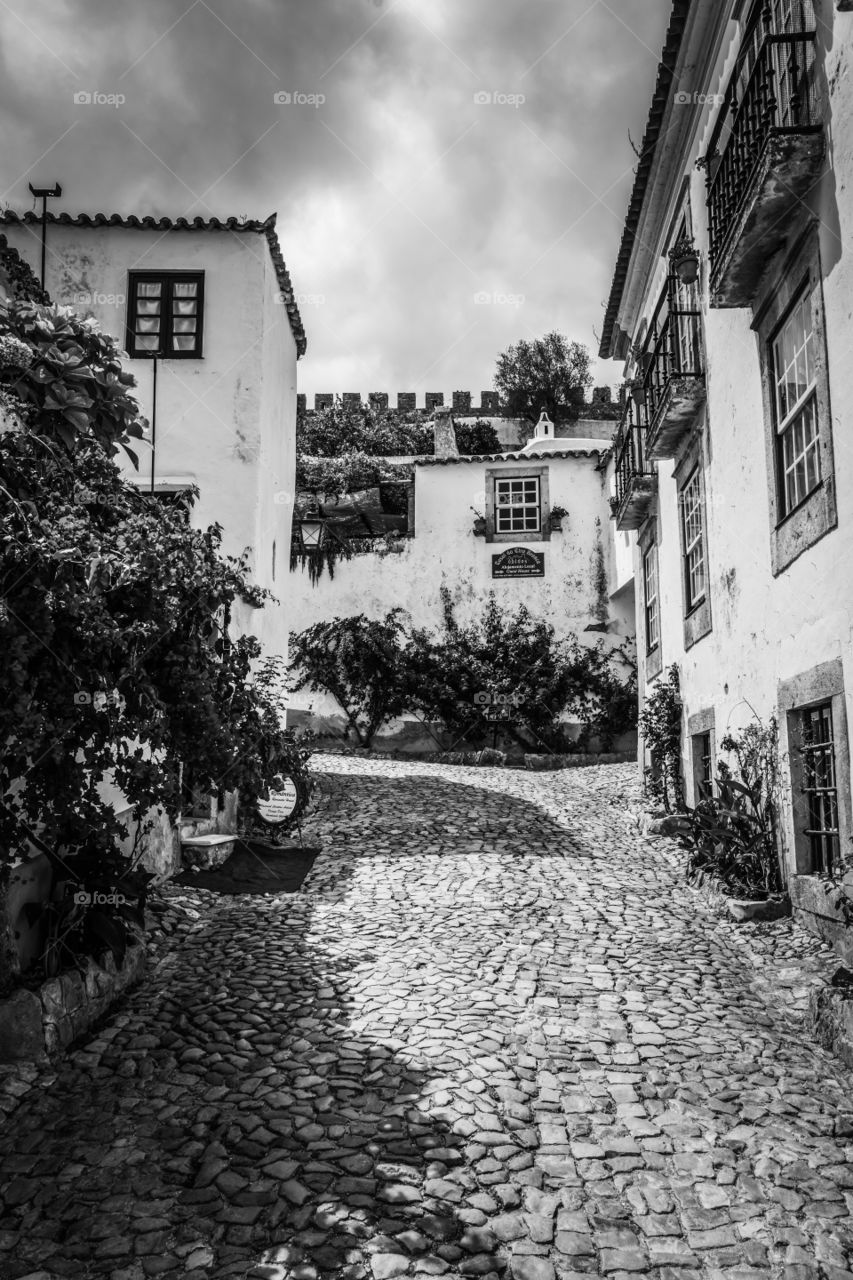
x=660, y=729
x=377, y=670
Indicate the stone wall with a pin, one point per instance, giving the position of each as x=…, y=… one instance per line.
x=602, y=403
x=35, y=1026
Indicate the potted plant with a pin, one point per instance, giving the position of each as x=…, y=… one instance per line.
x=480, y=524
x=731, y=834
x=555, y=518
x=684, y=261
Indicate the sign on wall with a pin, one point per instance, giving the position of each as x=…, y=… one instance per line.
x=518, y=562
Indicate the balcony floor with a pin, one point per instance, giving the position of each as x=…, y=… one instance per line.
x=637, y=502
x=789, y=167
x=682, y=400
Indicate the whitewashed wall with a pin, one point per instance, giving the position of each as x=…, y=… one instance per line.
x=445, y=551
x=765, y=629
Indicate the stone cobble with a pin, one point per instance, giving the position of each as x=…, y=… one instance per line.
x=495, y=1035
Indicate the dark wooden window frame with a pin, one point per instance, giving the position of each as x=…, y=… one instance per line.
x=168, y=279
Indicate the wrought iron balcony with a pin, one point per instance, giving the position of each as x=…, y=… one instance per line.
x=673, y=370
x=636, y=478
x=766, y=153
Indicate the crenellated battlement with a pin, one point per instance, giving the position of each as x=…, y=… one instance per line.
x=602, y=404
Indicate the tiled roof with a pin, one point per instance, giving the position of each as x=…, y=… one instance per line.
x=265, y=228
x=660, y=98
x=512, y=457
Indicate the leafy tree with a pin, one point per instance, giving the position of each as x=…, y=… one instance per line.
x=361, y=663
x=362, y=431
x=548, y=373
x=114, y=618
x=346, y=473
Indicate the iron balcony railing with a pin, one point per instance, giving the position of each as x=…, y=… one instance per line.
x=673, y=345
x=771, y=93
x=630, y=451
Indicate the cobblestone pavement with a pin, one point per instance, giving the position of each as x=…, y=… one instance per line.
x=494, y=1034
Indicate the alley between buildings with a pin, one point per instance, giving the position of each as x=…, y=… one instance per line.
x=495, y=1032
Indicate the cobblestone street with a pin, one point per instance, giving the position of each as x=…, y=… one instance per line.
x=494, y=1033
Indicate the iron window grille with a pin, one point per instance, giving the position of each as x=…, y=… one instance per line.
x=794, y=384
x=518, y=505
x=650, y=588
x=165, y=314
x=820, y=787
x=703, y=763
x=694, y=547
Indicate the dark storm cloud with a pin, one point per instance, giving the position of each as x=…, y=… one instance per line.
x=402, y=198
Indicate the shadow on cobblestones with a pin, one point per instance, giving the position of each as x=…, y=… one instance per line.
x=493, y=1023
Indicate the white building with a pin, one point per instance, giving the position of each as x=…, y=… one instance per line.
x=734, y=466
x=205, y=311
x=566, y=575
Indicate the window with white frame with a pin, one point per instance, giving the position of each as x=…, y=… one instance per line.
x=650, y=585
x=517, y=505
x=795, y=405
x=694, y=542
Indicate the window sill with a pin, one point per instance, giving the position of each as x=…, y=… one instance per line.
x=789, y=515
x=697, y=623
x=541, y=535
x=154, y=356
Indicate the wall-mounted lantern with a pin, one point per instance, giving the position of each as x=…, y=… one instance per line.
x=312, y=530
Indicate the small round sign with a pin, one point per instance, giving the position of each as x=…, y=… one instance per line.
x=281, y=805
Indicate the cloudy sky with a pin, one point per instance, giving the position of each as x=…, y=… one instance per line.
x=449, y=176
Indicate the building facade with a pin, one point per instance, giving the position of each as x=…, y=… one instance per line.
x=471, y=526
x=730, y=308
x=205, y=311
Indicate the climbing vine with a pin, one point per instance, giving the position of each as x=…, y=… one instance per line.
x=660, y=729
